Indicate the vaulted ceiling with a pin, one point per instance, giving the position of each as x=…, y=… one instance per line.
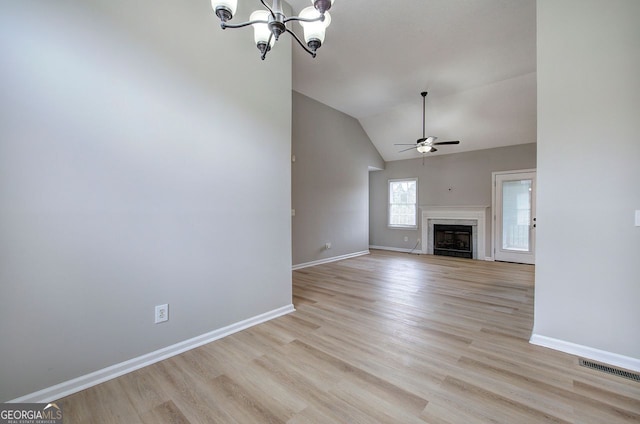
x=476, y=58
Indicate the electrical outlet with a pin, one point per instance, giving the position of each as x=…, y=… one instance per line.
x=327, y=246
x=406, y=238
x=162, y=313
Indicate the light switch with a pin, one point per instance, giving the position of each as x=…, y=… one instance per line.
x=637, y=218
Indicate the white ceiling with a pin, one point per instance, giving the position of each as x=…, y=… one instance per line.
x=476, y=58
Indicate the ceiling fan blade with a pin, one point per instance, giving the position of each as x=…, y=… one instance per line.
x=440, y=143
x=429, y=139
x=433, y=149
x=405, y=150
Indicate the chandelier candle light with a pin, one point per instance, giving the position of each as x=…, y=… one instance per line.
x=269, y=24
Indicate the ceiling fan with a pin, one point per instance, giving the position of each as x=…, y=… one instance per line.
x=425, y=144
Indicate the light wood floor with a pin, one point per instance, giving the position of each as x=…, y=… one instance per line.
x=382, y=338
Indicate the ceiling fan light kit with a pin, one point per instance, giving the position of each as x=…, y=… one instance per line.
x=423, y=149
x=270, y=24
x=425, y=144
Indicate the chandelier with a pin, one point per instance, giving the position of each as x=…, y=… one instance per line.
x=269, y=24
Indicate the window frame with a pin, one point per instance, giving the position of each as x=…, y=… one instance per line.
x=389, y=205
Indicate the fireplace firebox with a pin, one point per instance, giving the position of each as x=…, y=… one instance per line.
x=453, y=240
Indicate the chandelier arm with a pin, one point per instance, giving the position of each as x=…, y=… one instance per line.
x=299, y=19
x=268, y=8
x=225, y=25
x=295, y=37
x=266, y=50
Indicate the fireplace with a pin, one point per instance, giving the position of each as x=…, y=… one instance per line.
x=453, y=240
x=474, y=216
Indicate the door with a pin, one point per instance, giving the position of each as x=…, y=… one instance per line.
x=514, y=212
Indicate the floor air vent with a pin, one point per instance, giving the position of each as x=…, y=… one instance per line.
x=610, y=370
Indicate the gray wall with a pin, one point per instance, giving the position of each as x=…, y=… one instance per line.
x=461, y=179
x=588, y=268
x=330, y=187
x=140, y=164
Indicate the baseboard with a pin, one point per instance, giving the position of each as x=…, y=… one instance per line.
x=397, y=249
x=329, y=260
x=489, y=259
x=626, y=362
x=84, y=382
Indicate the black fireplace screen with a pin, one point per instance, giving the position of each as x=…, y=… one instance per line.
x=453, y=240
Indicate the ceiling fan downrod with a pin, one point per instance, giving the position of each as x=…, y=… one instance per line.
x=424, y=100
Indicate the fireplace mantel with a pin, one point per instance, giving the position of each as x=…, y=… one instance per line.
x=452, y=214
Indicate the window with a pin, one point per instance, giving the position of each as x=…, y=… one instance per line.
x=403, y=203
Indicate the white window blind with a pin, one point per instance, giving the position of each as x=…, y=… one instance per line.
x=403, y=203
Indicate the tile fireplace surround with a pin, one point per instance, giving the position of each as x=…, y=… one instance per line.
x=476, y=216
